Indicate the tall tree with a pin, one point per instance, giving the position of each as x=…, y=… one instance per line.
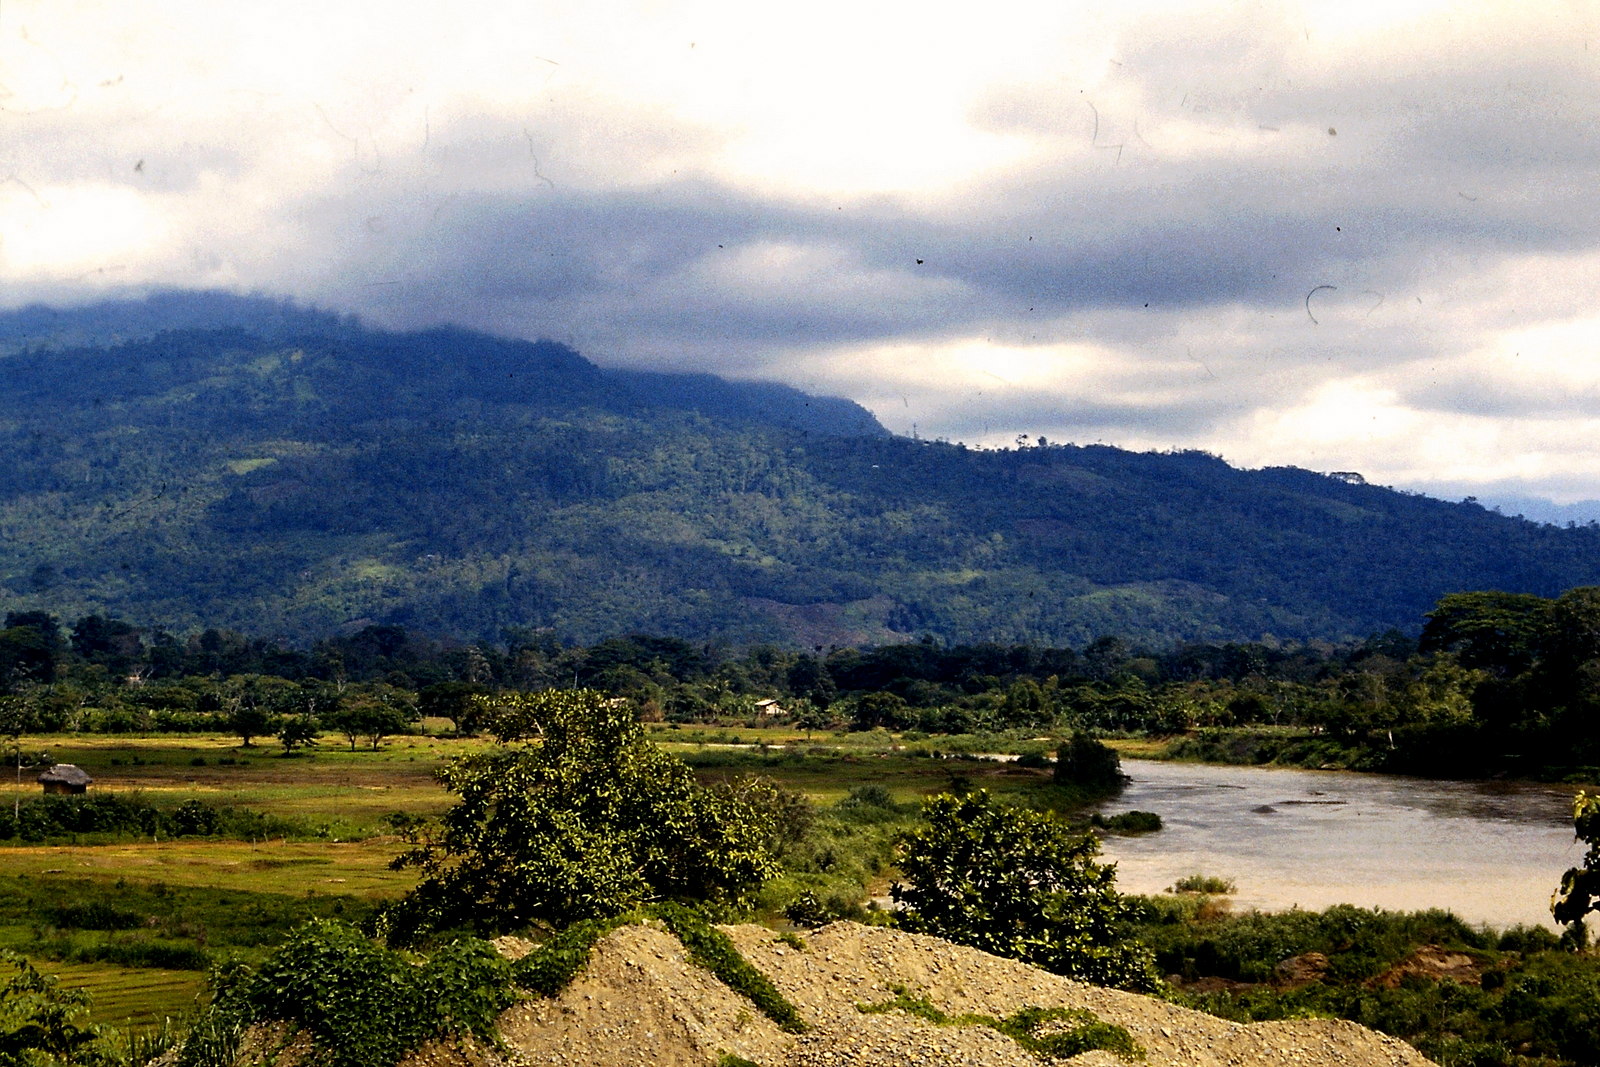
x=591, y=820
x=1493, y=631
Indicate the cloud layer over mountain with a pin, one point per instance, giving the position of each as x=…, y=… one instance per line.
x=1341, y=236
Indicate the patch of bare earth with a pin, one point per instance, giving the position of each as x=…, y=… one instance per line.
x=1433, y=963
x=640, y=1001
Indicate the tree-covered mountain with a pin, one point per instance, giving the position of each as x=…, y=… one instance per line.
x=284, y=471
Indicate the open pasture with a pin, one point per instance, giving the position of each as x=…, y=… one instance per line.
x=239, y=896
x=296, y=868
x=131, y=997
x=343, y=792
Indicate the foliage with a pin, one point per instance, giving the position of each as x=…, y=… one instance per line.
x=711, y=949
x=212, y=1041
x=52, y=818
x=1040, y=1031
x=551, y=967
x=590, y=822
x=38, y=1026
x=1501, y=683
x=1020, y=884
x=296, y=732
x=135, y=925
x=373, y=712
x=1086, y=762
x=1500, y=632
x=327, y=477
x=1579, y=893
x=367, y=1006
x=1535, y=1004
x=1204, y=883
x=1127, y=822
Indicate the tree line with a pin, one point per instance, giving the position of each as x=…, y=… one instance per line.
x=1494, y=682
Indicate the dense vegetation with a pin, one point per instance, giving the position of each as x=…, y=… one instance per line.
x=589, y=822
x=1496, y=683
x=1511, y=997
x=1528, y=1000
x=276, y=471
x=1020, y=884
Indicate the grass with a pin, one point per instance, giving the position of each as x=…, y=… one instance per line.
x=191, y=891
x=1204, y=883
x=827, y=777
x=335, y=793
x=131, y=997
x=296, y=868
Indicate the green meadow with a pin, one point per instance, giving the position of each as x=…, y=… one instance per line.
x=137, y=921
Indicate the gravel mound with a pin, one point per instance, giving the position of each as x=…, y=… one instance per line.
x=641, y=1002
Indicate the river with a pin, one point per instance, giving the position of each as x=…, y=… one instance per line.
x=1492, y=852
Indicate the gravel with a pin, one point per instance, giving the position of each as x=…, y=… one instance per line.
x=640, y=1002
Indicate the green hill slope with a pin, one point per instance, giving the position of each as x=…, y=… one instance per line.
x=284, y=472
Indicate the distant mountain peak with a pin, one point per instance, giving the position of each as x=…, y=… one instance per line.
x=458, y=358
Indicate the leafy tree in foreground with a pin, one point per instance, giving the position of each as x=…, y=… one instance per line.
x=1580, y=887
x=1021, y=884
x=38, y=1024
x=588, y=822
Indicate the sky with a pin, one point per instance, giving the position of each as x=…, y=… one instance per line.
x=1345, y=236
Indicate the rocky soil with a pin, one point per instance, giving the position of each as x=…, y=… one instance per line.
x=641, y=1002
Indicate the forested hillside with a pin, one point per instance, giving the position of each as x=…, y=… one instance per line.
x=288, y=472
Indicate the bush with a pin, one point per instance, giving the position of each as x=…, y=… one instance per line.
x=364, y=1005
x=1048, y=1033
x=49, y=818
x=1129, y=822
x=592, y=822
x=1204, y=883
x=1083, y=761
x=1020, y=884
x=553, y=965
x=710, y=948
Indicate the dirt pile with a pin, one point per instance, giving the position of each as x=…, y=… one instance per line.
x=640, y=1001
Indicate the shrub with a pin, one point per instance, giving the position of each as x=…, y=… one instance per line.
x=1204, y=883
x=1040, y=1031
x=592, y=822
x=1128, y=823
x=364, y=1005
x=1020, y=884
x=710, y=948
x=1083, y=761
x=553, y=965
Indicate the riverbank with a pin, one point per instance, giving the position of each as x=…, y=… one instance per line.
x=1261, y=746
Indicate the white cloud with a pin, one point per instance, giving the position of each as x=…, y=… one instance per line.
x=1348, y=236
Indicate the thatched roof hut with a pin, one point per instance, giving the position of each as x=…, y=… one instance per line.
x=65, y=778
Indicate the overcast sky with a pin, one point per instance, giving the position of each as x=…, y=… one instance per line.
x=1344, y=236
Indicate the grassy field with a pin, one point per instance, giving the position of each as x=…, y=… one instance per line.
x=195, y=900
x=214, y=897
x=132, y=997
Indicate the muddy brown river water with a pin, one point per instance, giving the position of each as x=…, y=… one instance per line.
x=1492, y=852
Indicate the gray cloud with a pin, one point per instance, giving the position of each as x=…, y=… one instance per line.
x=1227, y=218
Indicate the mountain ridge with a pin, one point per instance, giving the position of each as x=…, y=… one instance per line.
x=311, y=475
